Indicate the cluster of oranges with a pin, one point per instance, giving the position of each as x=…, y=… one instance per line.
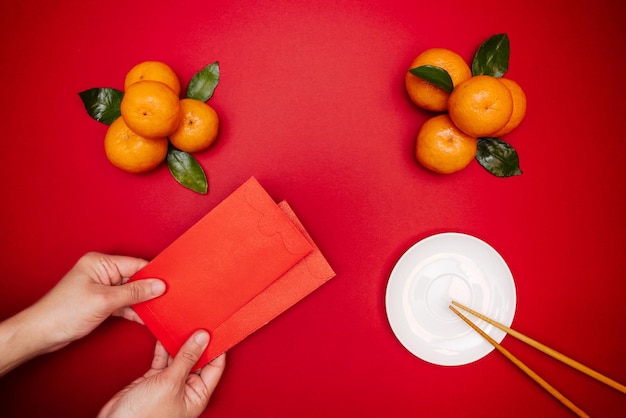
x=478, y=106
x=152, y=116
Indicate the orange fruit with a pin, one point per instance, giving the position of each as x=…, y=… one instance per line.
x=442, y=147
x=197, y=128
x=150, y=109
x=425, y=94
x=130, y=152
x=480, y=106
x=155, y=71
x=519, y=107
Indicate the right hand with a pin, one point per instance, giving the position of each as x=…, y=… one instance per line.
x=169, y=389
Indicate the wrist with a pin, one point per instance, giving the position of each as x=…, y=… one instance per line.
x=22, y=337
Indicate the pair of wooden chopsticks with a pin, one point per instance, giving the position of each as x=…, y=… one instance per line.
x=547, y=350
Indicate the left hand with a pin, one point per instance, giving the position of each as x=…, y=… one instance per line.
x=94, y=289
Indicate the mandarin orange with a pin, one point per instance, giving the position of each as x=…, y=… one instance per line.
x=198, y=126
x=442, y=147
x=130, y=152
x=151, y=109
x=480, y=106
x=155, y=71
x=519, y=107
x=427, y=95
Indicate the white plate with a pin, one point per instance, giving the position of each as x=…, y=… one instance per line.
x=432, y=273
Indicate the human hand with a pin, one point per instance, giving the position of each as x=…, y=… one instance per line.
x=94, y=289
x=168, y=389
x=89, y=293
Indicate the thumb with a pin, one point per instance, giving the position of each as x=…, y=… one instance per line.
x=188, y=355
x=136, y=292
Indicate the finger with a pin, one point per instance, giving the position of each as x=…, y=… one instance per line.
x=134, y=292
x=128, y=266
x=110, y=269
x=204, y=383
x=161, y=356
x=129, y=314
x=212, y=372
x=188, y=355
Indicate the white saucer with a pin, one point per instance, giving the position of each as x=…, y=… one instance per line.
x=432, y=273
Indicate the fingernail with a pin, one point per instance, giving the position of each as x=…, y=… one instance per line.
x=157, y=287
x=201, y=338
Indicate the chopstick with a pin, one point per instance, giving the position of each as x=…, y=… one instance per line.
x=522, y=366
x=547, y=350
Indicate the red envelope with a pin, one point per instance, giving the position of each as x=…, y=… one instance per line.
x=237, y=268
x=303, y=278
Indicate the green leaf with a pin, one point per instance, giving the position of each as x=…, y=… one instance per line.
x=492, y=57
x=102, y=104
x=187, y=171
x=204, y=82
x=498, y=157
x=436, y=76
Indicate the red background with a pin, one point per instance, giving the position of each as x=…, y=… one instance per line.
x=312, y=103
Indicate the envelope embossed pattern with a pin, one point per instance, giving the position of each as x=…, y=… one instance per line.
x=241, y=265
